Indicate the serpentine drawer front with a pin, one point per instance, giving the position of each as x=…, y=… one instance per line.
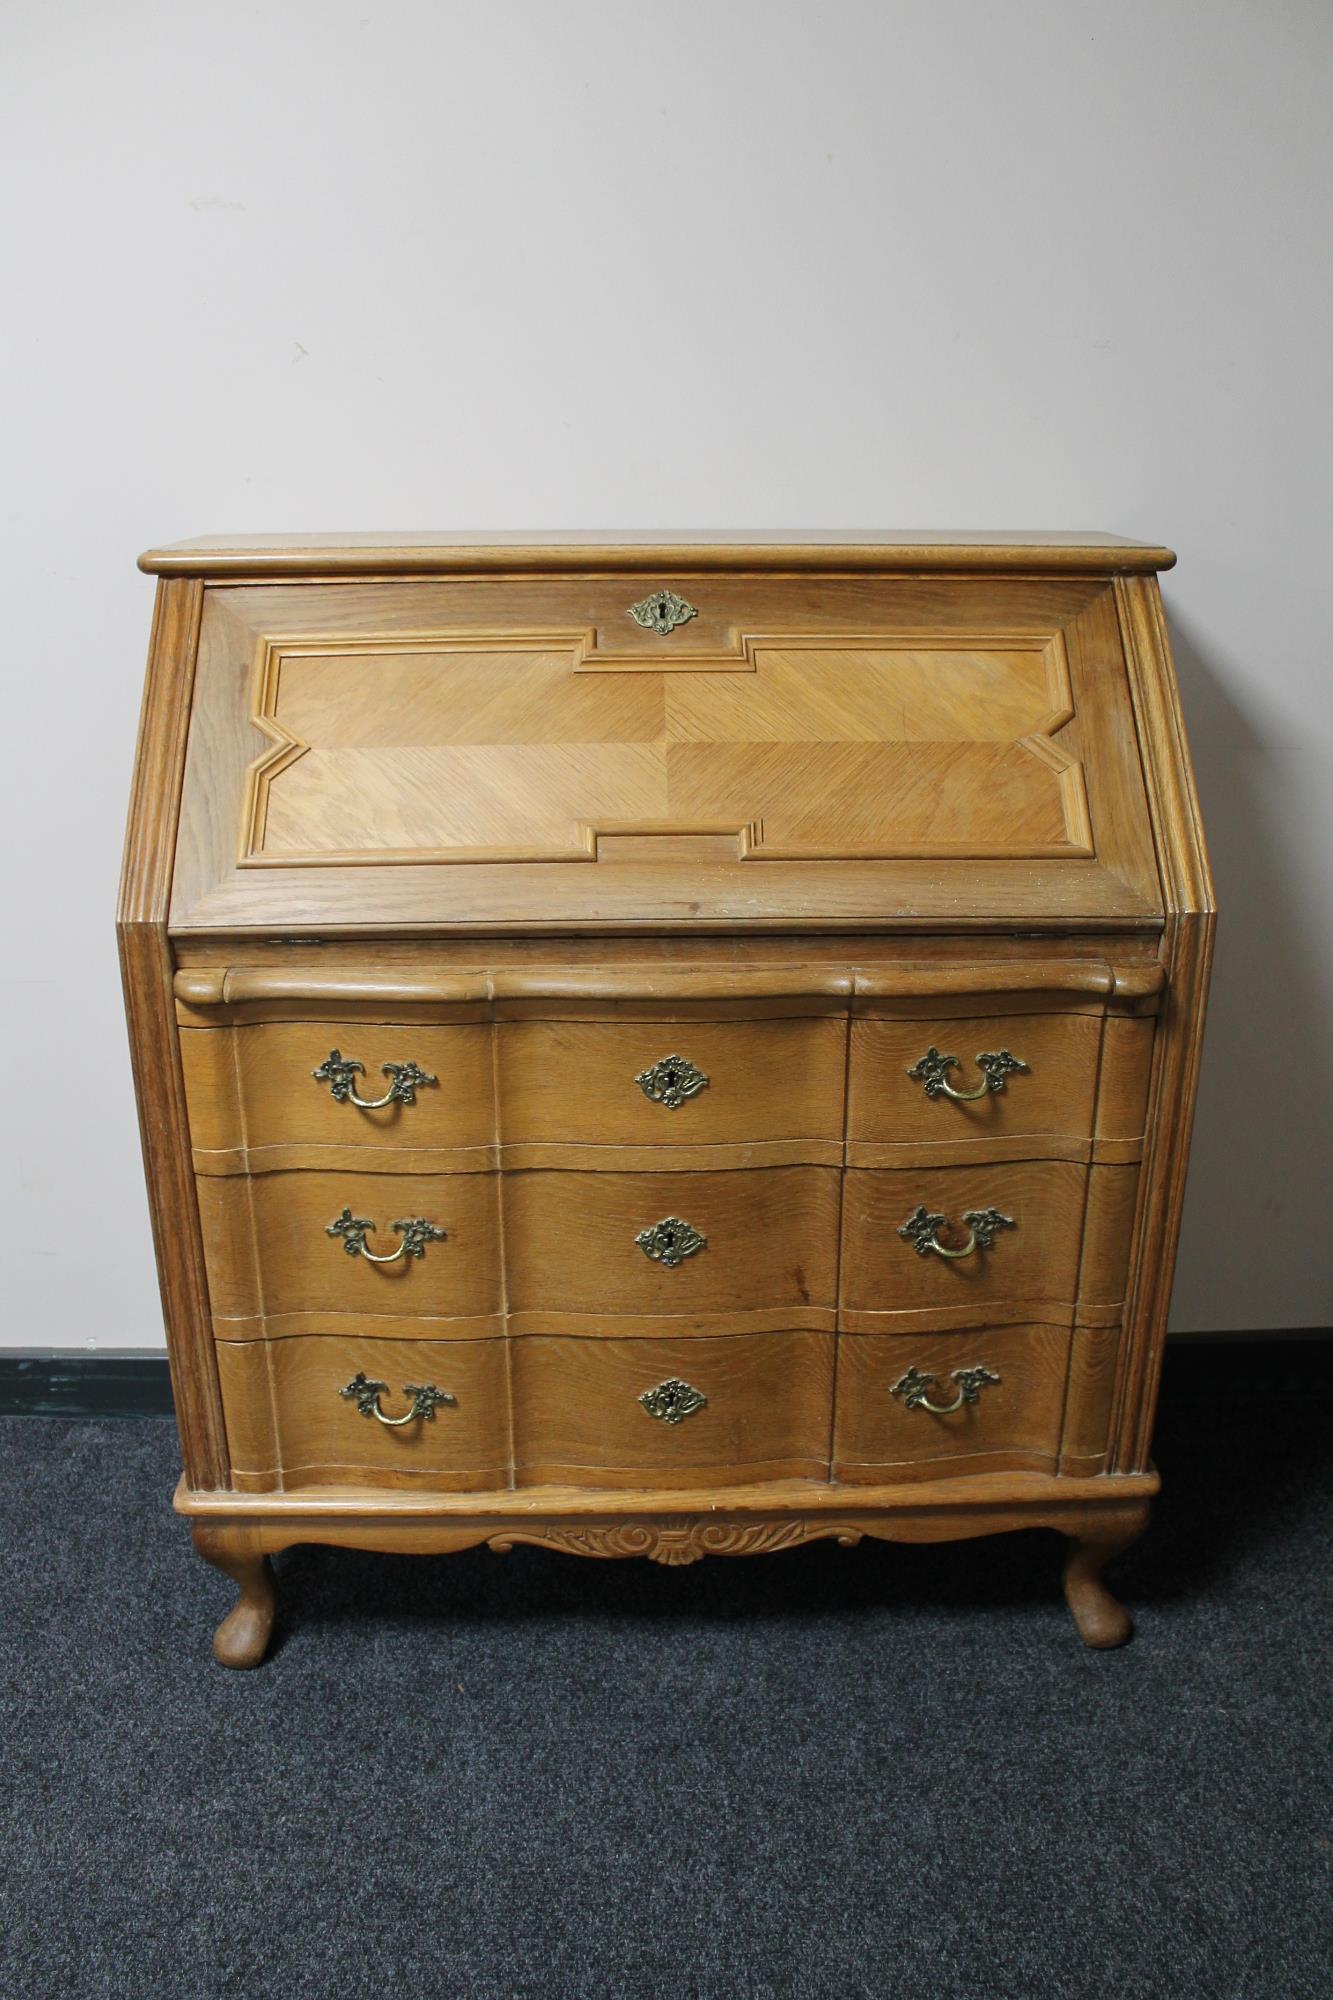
x=663, y=1049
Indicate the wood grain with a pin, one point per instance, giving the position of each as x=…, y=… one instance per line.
x=772, y=1241
x=289, y=1426
x=1014, y=1426
x=574, y=1082
x=578, y=1417
x=1187, y=952
x=1035, y=1260
x=252, y=1090
x=269, y=1252
x=1054, y=1099
x=146, y=973
x=455, y=764
x=752, y=549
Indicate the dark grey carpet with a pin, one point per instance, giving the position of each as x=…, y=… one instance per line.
x=873, y=1773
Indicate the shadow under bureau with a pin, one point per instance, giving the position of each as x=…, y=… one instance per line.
x=663, y=1048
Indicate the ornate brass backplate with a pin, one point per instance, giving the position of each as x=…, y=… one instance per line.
x=415, y=1232
x=673, y=1400
x=662, y=611
x=670, y=1081
x=932, y=1073
x=426, y=1399
x=670, y=1241
x=921, y=1227
x=340, y=1073
x=914, y=1388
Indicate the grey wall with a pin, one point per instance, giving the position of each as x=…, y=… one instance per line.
x=709, y=262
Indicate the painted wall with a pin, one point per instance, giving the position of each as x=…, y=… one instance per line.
x=713, y=262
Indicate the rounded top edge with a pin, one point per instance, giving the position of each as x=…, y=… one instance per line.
x=261, y=556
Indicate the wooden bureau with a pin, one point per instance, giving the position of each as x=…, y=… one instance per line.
x=663, y=1047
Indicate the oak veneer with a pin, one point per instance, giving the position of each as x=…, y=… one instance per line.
x=446, y=802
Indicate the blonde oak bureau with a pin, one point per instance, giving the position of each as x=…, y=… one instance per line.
x=663, y=1047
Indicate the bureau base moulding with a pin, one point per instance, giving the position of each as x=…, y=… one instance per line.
x=1101, y=1518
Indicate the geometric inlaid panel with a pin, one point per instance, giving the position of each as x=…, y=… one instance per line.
x=523, y=746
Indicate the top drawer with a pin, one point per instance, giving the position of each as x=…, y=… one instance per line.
x=263, y=1093
x=675, y=1084
x=940, y=1083
x=281, y=1085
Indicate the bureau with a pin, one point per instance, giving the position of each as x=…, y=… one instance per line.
x=665, y=1047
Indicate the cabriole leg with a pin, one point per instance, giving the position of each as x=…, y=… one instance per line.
x=241, y=1640
x=1101, y=1619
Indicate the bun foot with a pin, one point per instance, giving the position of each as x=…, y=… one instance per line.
x=1100, y=1619
x=241, y=1640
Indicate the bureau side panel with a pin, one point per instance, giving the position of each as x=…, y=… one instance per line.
x=1187, y=950
x=146, y=970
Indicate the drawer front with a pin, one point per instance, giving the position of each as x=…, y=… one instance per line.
x=291, y=1423
x=1002, y=1392
x=286, y=1244
x=1008, y=1241
x=672, y=1083
x=262, y=1089
x=983, y=1086
x=738, y=1243
x=672, y=1413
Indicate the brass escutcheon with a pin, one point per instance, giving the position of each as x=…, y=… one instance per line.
x=670, y=1081
x=662, y=611
x=670, y=1241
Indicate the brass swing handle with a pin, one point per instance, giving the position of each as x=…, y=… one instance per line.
x=932, y=1073
x=921, y=1231
x=340, y=1073
x=416, y=1233
x=426, y=1398
x=914, y=1389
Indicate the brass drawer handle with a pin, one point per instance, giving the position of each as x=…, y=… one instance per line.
x=671, y=1081
x=921, y=1226
x=340, y=1073
x=913, y=1387
x=426, y=1399
x=932, y=1072
x=673, y=1400
x=661, y=611
x=670, y=1241
x=416, y=1233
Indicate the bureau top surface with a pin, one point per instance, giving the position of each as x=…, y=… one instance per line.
x=710, y=736
x=431, y=553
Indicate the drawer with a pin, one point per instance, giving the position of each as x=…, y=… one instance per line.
x=673, y=1083
x=1020, y=1251
x=1008, y=1385
x=672, y=1413
x=277, y=1248
x=291, y=1424
x=985, y=1086
x=256, y=1100
x=612, y=1245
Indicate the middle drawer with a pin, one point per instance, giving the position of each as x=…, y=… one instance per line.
x=750, y=1248
x=743, y=1248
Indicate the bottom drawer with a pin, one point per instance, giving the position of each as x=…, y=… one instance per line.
x=719, y=1411
x=894, y=1418
x=289, y=1423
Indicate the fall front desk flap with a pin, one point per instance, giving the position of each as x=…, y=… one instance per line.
x=639, y=748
